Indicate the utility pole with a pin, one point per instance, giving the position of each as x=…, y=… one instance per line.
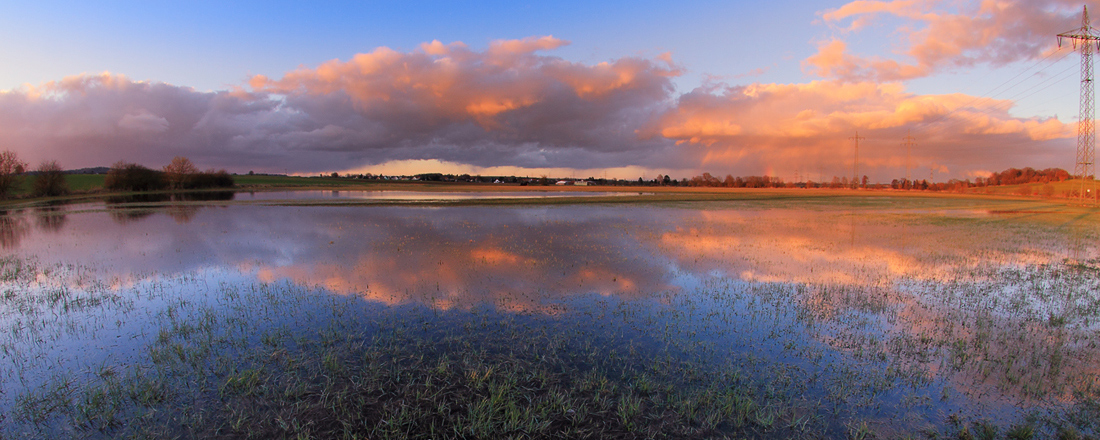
x=908, y=153
x=1089, y=40
x=855, y=163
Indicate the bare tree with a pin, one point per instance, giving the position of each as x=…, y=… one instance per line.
x=178, y=173
x=50, y=181
x=10, y=169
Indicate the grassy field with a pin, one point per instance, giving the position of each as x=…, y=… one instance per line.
x=1066, y=189
x=78, y=183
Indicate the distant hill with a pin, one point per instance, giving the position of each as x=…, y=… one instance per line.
x=95, y=170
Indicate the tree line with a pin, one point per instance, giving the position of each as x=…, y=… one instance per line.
x=1011, y=176
x=179, y=174
x=736, y=182
x=49, y=178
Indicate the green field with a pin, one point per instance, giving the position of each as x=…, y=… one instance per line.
x=1065, y=189
x=78, y=183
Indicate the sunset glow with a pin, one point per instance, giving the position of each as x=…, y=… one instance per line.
x=639, y=96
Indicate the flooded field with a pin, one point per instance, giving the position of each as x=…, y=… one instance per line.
x=415, y=196
x=857, y=318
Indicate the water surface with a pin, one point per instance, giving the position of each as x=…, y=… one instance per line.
x=903, y=319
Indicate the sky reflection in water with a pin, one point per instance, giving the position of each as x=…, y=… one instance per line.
x=918, y=301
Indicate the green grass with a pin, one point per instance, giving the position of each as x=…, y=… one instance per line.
x=85, y=182
x=78, y=183
x=1056, y=190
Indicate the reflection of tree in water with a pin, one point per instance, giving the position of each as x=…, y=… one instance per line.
x=50, y=218
x=123, y=215
x=203, y=196
x=13, y=228
x=130, y=208
x=182, y=213
x=138, y=199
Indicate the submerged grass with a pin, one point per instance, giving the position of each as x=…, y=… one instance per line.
x=417, y=373
x=277, y=360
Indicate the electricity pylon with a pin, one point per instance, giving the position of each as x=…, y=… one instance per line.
x=1089, y=40
x=908, y=153
x=855, y=163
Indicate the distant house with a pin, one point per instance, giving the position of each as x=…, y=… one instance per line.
x=581, y=183
x=563, y=182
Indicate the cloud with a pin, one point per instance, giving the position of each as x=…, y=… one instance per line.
x=807, y=127
x=505, y=48
x=513, y=107
x=937, y=35
x=142, y=120
x=508, y=105
x=96, y=120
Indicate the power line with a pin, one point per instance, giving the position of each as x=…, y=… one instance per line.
x=908, y=154
x=1008, y=102
x=988, y=95
x=855, y=163
x=1086, y=135
x=1055, y=79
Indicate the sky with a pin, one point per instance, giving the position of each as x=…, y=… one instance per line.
x=602, y=89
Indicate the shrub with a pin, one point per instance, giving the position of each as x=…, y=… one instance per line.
x=49, y=181
x=211, y=179
x=133, y=177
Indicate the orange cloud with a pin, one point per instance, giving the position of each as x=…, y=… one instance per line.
x=808, y=125
x=504, y=268
x=832, y=60
x=512, y=105
x=939, y=35
x=447, y=84
x=508, y=105
x=505, y=48
x=864, y=9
